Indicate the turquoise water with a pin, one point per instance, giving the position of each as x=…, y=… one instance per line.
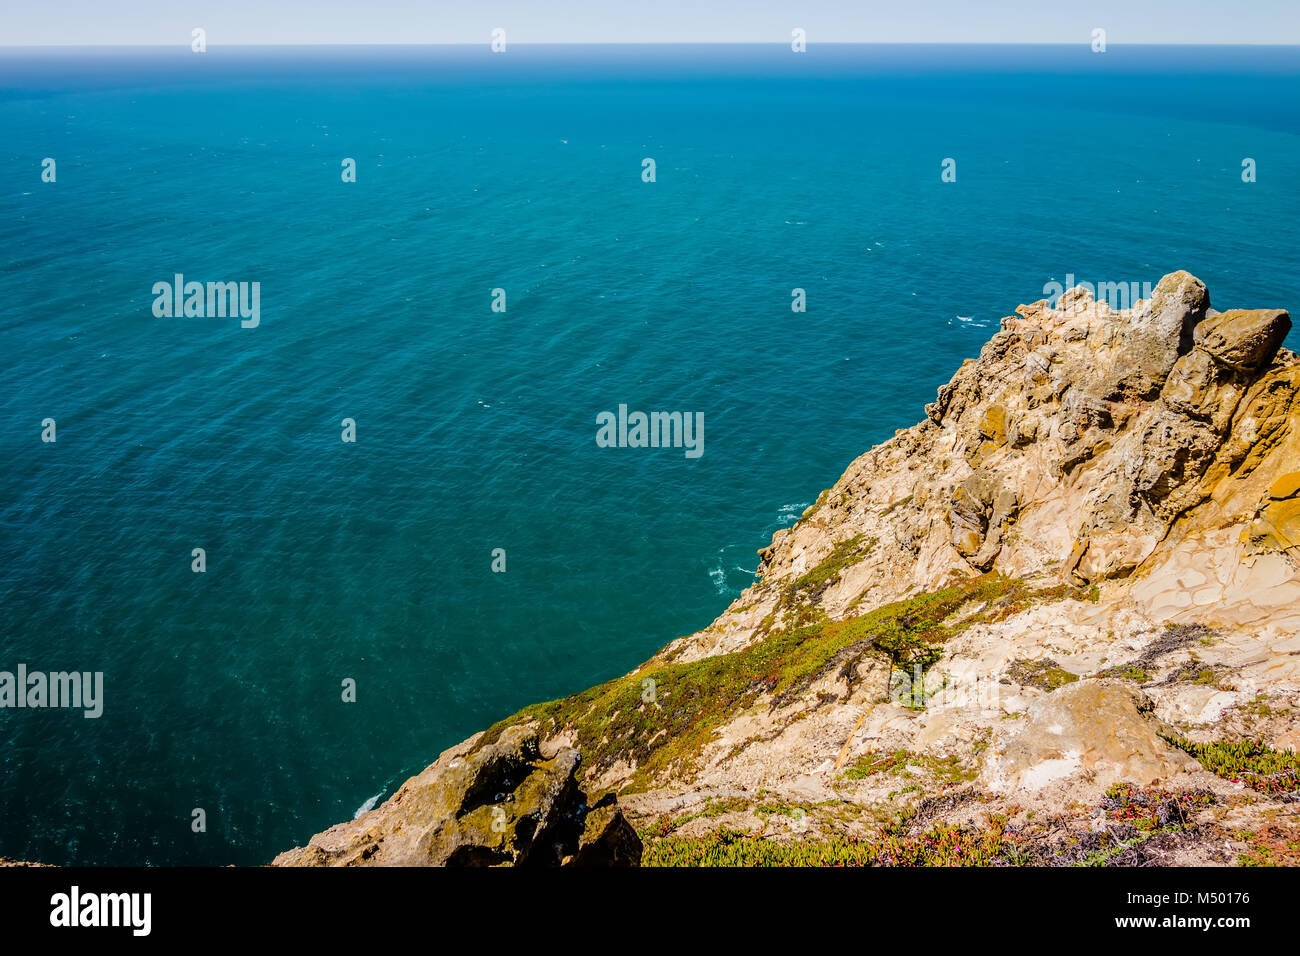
x=476, y=429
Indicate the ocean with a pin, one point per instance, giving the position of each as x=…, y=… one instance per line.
x=371, y=561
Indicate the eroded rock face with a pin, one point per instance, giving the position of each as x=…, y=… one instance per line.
x=1085, y=735
x=503, y=804
x=1159, y=465
x=1276, y=528
x=1082, y=439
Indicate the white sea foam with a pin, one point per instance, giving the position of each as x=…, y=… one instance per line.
x=719, y=578
x=792, y=510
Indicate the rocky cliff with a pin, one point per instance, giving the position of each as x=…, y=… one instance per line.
x=1054, y=622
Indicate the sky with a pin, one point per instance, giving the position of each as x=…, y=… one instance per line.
x=240, y=22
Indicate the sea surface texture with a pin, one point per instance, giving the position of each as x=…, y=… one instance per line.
x=476, y=429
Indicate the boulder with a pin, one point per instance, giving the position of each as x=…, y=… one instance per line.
x=1156, y=338
x=1090, y=735
x=1243, y=339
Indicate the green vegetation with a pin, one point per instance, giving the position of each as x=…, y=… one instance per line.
x=942, y=845
x=1134, y=814
x=813, y=508
x=872, y=764
x=1133, y=672
x=1103, y=856
x=1046, y=674
x=1205, y=675
x=661, y=717
x=1247, y=762
x=1259, y=706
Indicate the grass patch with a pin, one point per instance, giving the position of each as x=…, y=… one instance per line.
x=812, y=584
x=666, y=823
x=1201, y=674
x=1104, y=856
x=660, y=718
x=1129, y=672
x=872, y=764
x=1259, y=707
x=947, y=770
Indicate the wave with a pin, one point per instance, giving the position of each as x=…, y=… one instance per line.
x=368, y=805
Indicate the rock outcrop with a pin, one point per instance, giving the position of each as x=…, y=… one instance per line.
x=1081, y=438
x=1043, y=603
x=505, y=804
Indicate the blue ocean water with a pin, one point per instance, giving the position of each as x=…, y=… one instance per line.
x=475, y=428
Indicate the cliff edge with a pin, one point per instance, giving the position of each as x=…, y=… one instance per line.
x=1057, y=621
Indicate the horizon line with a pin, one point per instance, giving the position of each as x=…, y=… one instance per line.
x=539, y=43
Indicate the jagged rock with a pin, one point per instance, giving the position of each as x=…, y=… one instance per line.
x=1003, y=513
x=1153, y=341
x=1023, y=432
x=936, y=409
x=968, y=517
x=1161, y=461
x=504, y=804
x=1286, y=487
x=1263, y=422
x=1092, y=732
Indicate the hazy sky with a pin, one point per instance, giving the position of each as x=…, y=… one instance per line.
x=628, y=21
